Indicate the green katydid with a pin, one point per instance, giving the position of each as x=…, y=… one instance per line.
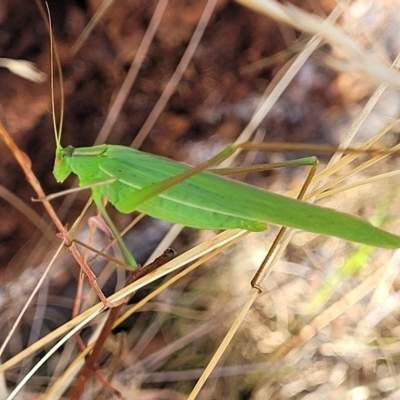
x=133, y=180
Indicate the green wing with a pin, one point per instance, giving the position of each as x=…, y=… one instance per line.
x=212, y=202
x=188, y=203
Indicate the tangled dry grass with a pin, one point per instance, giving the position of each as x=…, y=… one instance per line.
x=326, y=323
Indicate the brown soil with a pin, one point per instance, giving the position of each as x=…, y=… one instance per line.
x=215, y=96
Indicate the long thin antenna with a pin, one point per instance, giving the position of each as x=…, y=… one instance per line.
x=53, y=107
x=54, y=53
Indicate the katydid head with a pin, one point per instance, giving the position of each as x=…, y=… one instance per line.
x=62, y=168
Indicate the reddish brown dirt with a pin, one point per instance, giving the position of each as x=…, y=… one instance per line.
x=213, y=97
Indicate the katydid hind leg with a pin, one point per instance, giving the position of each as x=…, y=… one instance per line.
x=299, y=162
x=265, y=267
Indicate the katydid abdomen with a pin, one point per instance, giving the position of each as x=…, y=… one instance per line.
x=205, y=200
